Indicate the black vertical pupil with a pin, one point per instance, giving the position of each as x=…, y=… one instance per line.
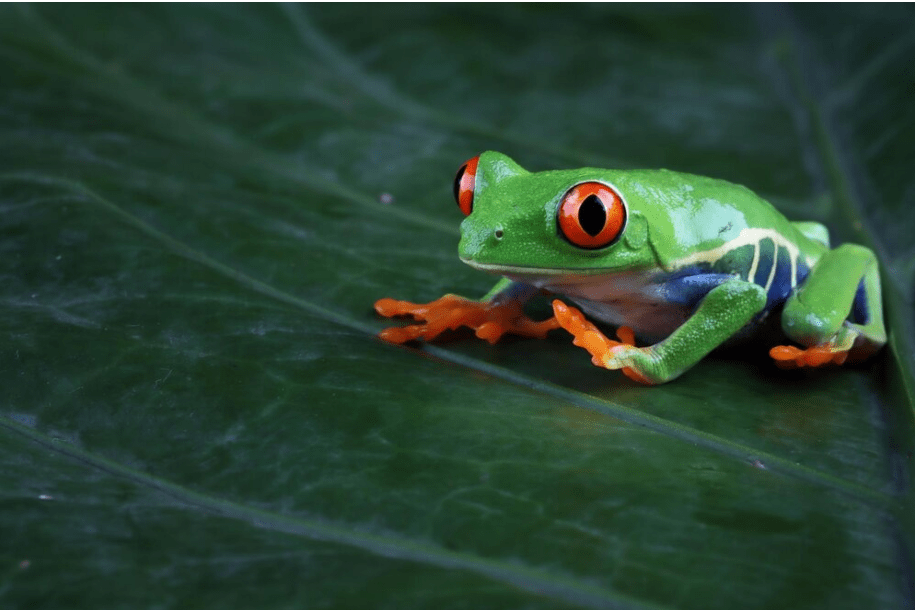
x=457, y=183
x=592, y=215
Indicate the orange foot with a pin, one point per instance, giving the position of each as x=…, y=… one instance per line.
x=603, y=350
x=490, y=321
x=790, y=357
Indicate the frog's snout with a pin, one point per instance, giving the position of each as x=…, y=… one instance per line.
x=475, y=244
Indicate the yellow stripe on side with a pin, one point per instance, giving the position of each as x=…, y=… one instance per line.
x=749, y=237
x=775, y=266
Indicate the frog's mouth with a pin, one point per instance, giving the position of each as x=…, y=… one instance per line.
x=517, y=272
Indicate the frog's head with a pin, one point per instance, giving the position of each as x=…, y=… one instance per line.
x=555, y=220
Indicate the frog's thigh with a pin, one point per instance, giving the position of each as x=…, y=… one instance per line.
x=722, y=312
x=824, y=309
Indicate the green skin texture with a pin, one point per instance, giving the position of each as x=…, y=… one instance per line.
x=673, y=220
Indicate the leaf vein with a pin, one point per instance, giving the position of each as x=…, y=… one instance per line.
x=571, y=590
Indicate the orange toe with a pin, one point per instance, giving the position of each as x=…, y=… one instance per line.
x=450, y=312
x=789, y=356
x=626, y=335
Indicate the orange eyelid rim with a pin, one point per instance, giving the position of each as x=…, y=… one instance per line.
x=570, y=224
x=463, y=187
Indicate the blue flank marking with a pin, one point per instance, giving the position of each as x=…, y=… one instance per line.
x=688, y=286
x=859, y=311
x=781, y=284
x=766, y=249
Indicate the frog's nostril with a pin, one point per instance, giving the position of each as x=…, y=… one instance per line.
x=499, y=233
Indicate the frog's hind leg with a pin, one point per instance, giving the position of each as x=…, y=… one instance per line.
x=813, y=231
x=837, y=313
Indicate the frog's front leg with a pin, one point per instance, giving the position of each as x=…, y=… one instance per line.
x=836, y=313
x=722, y=312
x=498, y=313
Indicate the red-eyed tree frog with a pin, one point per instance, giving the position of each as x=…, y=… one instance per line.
x=684, y=262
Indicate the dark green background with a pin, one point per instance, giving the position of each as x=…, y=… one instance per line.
x=196, y=414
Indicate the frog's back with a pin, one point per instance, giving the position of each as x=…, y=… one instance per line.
x=689, y=213
x=705, y=231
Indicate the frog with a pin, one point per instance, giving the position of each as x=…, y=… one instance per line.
x=683, y=263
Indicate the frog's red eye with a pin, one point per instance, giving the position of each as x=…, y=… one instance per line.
x=591, y=215
x=463, y=185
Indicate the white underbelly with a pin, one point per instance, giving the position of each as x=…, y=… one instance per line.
x=622, y=299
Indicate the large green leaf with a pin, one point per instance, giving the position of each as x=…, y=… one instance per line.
x=200, y=204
